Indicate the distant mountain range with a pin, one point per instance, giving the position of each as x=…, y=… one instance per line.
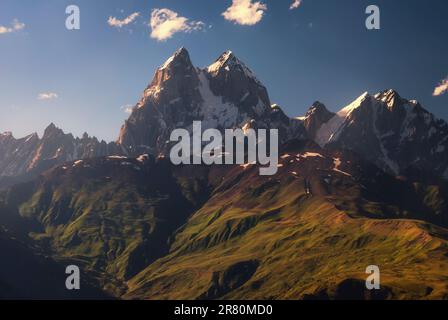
x=29, y=156
x=363, y=186
x=398, y=135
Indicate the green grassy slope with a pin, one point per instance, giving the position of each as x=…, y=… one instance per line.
x=148, y=230
x=262, y=238
x=111, y=216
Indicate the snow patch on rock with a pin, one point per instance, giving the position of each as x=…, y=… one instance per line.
x=215, y=112
x=330, y=130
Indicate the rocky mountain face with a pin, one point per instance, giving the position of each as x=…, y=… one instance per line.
x=32, y=154
x=316, y=116
x=396, y=134
x=224, y=95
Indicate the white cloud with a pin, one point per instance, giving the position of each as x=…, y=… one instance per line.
x=165, y=23
x=127, y=108
x=441, y=88
x=16, y=25
x=295, y=4
x=245, y=12
x=47, y=96
x=114, y=22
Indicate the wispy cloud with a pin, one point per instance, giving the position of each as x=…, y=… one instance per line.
x=245, y=12
x=16, y=25
x=127, y=108
x=295, y=4
x=441, y=88
x=47, y=96
x=117, y=23
x=165, y=23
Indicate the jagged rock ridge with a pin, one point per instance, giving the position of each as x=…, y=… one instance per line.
x=224, y=95
x=34, y=154
x=397, y=134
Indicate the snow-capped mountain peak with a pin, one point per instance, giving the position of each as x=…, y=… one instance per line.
x=224, y=95
x=345, y=112
x=392, y=132
x=180, y=54
x=392, y=99
x=396, y=134
x=329, y=131
x=228, y=62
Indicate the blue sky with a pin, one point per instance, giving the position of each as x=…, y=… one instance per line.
x=319, y=51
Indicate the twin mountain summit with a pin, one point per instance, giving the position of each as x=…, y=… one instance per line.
x=363, y=186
